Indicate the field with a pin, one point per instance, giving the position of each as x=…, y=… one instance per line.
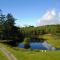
x=53, y=40
x=29, y=54
x=23, y=54
x=2, y=56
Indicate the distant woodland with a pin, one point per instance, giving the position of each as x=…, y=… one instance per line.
x=15, y=35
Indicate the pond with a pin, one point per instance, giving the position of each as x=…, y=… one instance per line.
x=40, y=45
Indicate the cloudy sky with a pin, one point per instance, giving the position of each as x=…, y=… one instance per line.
x=32, y=12
x=50, y=17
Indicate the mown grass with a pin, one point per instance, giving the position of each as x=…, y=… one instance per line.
x=2, y=56
x=23, y=54
x=53, y=40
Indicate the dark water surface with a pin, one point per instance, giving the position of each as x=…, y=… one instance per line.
x=40, y=46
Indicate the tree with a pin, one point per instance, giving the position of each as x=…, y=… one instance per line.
x=12, y=33
x=2, y=21
x=9, y=24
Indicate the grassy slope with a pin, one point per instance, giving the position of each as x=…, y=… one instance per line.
x=2, y=56
x=23, y=54
x=54, y=40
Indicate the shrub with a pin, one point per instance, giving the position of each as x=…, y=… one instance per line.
x=27, y=43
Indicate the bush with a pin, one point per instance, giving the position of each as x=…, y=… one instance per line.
x=27, y=43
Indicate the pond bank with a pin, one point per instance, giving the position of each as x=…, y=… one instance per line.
x=40, y=46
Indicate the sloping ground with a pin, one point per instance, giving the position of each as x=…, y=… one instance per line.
x=23, y=54
x=53, y=40
x=8, y=54
x=2, y=56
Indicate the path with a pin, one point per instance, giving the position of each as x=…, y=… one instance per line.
x=8, y=54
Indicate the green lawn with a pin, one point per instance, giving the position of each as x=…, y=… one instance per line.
x=23, y=54
x=52, y=39
x=36, y=55
x=2, y=56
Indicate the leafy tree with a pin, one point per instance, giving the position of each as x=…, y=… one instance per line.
x=11, y=31
x=9, y=24
x=2, y=21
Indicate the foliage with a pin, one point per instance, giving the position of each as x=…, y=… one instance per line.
x=27, y=43
x=8, y=30
x=35, y=32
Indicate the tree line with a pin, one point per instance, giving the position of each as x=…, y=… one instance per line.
x=32, y=31
x=15, y=35
x=8, y=30
x=34, y=34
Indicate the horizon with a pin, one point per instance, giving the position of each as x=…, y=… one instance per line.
x=32, y=12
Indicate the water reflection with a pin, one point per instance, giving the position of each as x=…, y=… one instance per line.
x=48, y=46
x=40, y=45
x=37, y=46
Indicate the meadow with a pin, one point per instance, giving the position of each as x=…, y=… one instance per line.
x=28, y=54
x=2, y=56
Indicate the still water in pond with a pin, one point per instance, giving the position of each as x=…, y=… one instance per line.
x=41, y=46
